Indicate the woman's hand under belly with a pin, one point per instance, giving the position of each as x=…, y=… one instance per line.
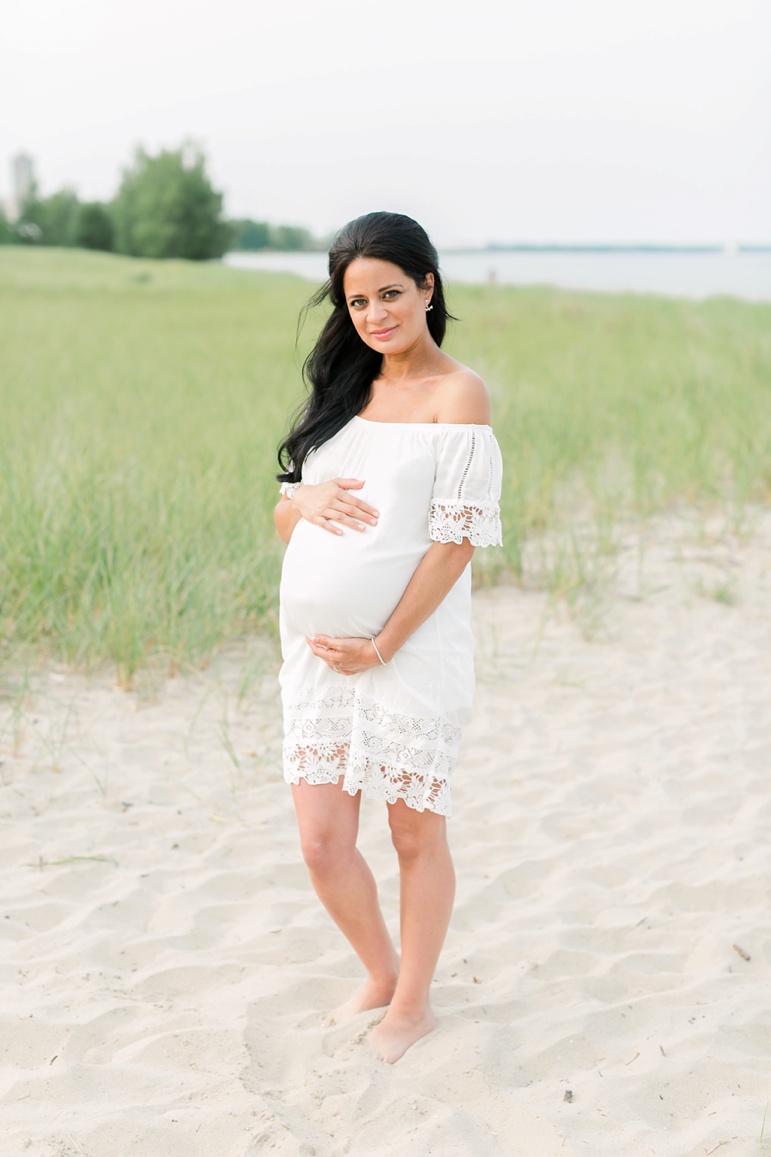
x=345, y=656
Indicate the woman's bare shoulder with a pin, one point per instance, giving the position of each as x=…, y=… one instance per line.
x=462, y=398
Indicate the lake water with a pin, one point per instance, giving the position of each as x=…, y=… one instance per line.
x=697, y=275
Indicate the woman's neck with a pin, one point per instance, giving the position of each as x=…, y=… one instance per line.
x=422, y=361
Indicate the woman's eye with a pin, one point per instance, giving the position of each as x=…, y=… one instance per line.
x=357, y=303
x=390, y=294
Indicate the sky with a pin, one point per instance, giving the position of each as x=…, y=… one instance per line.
x=493, y=120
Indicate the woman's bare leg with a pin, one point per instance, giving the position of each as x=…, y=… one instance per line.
x=427, y=894
x=328, y=819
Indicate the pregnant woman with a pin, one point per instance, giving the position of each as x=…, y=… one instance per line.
x=391, y=476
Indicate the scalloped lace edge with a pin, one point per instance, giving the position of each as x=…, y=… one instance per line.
x=383, y=784
x=479, y=522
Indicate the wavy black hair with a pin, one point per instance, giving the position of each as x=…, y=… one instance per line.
x=340, y=368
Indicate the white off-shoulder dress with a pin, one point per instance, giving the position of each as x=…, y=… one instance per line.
x=393, y=731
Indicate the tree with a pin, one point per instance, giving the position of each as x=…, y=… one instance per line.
x=94, y=228
x=49, y=220
x=60, y=214
x=7, y=232
x=167, y=207
x=290, y=237
x=251, y=235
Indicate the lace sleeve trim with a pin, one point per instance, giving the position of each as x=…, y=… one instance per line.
x=479, y=522
x=289, y=488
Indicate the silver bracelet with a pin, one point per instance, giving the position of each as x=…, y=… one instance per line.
x=374, y=644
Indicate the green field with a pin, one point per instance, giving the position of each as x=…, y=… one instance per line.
x=142, y=403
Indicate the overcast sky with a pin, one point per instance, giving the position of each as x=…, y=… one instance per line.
x=569, y=120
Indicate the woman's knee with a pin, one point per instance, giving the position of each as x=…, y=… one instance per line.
x=415, y=834
x=325, y=850
x=328, y=822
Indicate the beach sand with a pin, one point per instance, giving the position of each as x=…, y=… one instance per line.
x=605, y=988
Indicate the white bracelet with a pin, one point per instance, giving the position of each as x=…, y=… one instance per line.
x=374, y=644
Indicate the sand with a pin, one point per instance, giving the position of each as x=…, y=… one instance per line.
x=605, y=988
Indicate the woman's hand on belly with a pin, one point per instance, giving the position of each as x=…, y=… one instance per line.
x=326, y=503
x=345, y=656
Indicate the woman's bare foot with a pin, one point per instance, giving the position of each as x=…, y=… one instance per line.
x=390, y=1039
x=372, y=994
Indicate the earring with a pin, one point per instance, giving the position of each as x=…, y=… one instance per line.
x=428, y=307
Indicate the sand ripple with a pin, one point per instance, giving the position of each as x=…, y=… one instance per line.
x=166, y=968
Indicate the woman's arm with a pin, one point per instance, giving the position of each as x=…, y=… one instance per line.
x=325, y=504
x=286, y=516
x=435, y=576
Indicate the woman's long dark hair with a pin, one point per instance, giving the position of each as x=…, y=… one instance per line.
x=340, y=368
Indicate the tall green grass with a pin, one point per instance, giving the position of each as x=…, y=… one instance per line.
x=142, y=403
x=614, y=406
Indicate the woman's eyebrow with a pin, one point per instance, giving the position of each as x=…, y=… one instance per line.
x=383, y=289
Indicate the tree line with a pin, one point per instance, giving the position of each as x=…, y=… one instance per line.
x=166, y=206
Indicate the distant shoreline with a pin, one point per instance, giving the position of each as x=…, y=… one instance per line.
x=712, y=249
x=695, y=271
x=588, y=247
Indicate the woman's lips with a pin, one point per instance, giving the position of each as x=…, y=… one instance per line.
x=382, y=334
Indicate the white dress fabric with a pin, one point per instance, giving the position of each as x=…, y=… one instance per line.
x=393, y=731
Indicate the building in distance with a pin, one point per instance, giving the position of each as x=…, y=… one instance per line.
x=22, y=184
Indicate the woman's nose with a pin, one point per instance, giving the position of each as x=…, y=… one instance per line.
x=376, y=310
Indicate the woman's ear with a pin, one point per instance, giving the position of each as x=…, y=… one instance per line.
x=428, y=287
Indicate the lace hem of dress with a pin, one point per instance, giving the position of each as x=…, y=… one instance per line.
x=479, y=522
x=386, y=755
x=381, y=783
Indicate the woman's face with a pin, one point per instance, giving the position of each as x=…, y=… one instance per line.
x=386, y=306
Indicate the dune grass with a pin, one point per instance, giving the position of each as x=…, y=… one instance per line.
x=142, y=403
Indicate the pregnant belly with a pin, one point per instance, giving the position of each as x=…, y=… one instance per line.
x=346, y=585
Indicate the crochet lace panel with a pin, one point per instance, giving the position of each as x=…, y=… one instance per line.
x=385, y=754
x=479, y=522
